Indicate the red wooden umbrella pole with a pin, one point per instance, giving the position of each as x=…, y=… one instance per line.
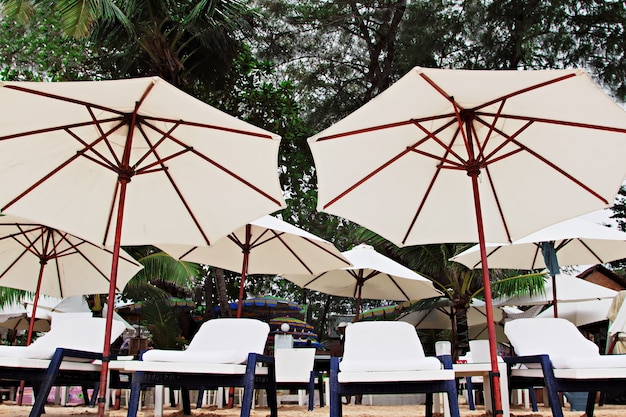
x=491, y=330
x=244, y=268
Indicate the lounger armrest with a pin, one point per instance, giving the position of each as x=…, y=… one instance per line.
x=264, y=359
x=544, y=360
x=64, y=353
x=446, y=360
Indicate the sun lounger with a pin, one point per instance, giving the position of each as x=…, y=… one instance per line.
x=557, y=356
x=388, y=358
x=65, y=355
x=223, y=353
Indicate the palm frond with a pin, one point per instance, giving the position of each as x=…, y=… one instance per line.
x=78, y=16
x=11, y=295
x=18, y=10
x=529, y=284
x=159, y=265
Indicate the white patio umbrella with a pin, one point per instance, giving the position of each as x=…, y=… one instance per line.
x=131, y=162
x=265, y=246
x=442, y=316
x=575, y=242
x=457, y=155
x=581, y=312
x=43, y=260
x=568, y=289
x=371, y=276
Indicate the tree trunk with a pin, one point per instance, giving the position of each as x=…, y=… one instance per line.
x=462, y=333
x=208, y=297
x=220, y=285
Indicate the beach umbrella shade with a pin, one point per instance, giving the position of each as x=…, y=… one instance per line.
x=267, y=245
x=24, y=323
x=572, y=242
x=568, y=289
x=371, y=276
x=131, y=162
x=441, y=316
x=581, y=313
x=458, y=155
x=47, y=261
x=265, y=307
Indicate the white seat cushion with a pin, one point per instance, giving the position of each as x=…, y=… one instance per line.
x=561, y=340
x=218, y=341
x=384, y=346
x=78, y=332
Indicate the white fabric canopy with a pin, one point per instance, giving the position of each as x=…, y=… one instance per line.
x=568, y=289
x=576, y=242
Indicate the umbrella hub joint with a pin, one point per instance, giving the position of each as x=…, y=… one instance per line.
x=473, y=168
x=467, y=115
x=125, y=173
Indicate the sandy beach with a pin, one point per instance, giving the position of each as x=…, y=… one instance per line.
x=10, y=409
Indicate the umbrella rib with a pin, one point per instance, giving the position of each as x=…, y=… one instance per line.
x=152, y=148
x=582, y=242
x=525, y=90
x=429, y=189
x=219, y=166
x=295, y=255
x=560, y=122
x=54, y=129
x=492, y=186
x=50, y=174
x=62, y=98
x=208, y=126
x=159, y=160
x=395, y=283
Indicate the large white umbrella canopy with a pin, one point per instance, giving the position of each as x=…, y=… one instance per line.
x=371, y=276
x=456, y=155
x=568, y=289
x=131, y=162
x=267, y=245
x=576, y=242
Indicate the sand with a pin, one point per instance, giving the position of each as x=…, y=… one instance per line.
x=10, y=409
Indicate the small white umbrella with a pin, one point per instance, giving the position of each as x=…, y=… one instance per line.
x=265, y=246
x=568, y=289
x=371, y=276
x=576, y=242
x=44, y=260
x=581, y=312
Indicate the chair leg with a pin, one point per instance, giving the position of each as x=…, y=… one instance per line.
x=320, y=382
x=533, y=398
x=185, y=400
x=135, y=394
x=200, y=398
x=470, y=393
x=591, y=402
x=453, y=399
x=429, y=404
x=312, y=392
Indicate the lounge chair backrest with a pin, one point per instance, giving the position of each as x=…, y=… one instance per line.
x=72, y=331
x=384, y=346
x=227, y=340
x=552, y=336
x=294, y=365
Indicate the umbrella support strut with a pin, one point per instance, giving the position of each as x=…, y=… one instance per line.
x=494, y=375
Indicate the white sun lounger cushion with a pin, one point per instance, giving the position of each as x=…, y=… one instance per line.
x=78, y=332
x=561, y=340
x=225, y=340
x=366, y=342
